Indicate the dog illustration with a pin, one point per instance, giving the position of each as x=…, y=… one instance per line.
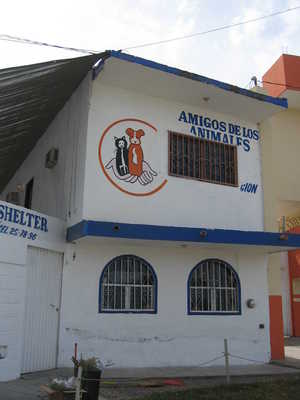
x=135, y=152
x=122, y=155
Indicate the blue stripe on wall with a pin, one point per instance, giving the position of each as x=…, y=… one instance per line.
x=179, y=234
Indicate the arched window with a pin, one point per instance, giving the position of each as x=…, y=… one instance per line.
x=128, y=284
x=213, y=288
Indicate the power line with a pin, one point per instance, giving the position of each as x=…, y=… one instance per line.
x=17, y=39
x=274, y=14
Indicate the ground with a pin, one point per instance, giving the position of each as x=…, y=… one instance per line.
x=276, y=390
x=292, y=351
x=136, y=384
x=203, y=382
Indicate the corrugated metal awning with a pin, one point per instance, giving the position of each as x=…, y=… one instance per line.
x=30, y=97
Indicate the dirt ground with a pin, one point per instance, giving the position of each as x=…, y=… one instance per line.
x=141, y=392
x=135, y=383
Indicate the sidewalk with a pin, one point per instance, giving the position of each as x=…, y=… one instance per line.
x=292, y=353
x=196, y=372
x=28, y=387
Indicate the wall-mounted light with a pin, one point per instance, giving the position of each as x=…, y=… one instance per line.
x=250, y=303
x=283, y=237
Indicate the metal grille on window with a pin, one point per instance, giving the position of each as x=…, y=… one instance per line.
x=201, y=159
x=214, y=287
x=128, y=284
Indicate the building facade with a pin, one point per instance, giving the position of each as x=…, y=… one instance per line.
x=157, y=184
x=280, y=144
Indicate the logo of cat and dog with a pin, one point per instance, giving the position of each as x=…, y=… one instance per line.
x=129, y=164
x=127, y=152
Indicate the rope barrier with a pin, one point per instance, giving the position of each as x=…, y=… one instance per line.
x=208, y=362
x=226, y=355
x=247, y=359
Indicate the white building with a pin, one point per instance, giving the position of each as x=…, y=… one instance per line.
x=145, y=239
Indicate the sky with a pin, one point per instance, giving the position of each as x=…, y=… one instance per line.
x=233, y=56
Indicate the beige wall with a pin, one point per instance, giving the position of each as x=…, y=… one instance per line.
x=280, y=140
x=274, y=274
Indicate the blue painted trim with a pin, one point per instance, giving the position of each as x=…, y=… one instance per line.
x=77, y=231
x=179, y=234
x=189, y=312
x=281, y=102
x=155, y=295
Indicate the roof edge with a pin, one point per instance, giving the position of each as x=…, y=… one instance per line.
x=280, y=102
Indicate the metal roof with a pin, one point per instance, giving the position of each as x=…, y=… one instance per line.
x=30, y=97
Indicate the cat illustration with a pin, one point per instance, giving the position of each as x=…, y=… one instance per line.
x=121, y=156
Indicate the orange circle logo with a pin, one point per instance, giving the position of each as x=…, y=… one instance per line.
x=127, y=156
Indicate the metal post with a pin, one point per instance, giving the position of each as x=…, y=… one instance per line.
x=78, y=384
x=226, y=354
x=99, y=396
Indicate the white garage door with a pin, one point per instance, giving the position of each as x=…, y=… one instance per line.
x=42, y=304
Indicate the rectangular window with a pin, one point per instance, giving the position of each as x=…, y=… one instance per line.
x=28, y=194
x=194, y=158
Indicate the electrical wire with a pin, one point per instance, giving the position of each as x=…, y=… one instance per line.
x=221, y=28
x=85, y=51
x=17, y=39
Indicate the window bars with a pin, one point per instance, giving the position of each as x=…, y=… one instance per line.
x=128, y=284
x=204, y=160
x=214, y=288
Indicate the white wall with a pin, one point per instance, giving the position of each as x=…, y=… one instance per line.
x=78, y=189
x=170, y=337
x=58, y=192
x=13, y=253
x=12, y=293
x=181, y=202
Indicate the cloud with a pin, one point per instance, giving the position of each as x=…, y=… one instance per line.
x=247, y=32
x=230, y=55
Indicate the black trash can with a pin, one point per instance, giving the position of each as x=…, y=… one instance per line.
x=91, y=383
